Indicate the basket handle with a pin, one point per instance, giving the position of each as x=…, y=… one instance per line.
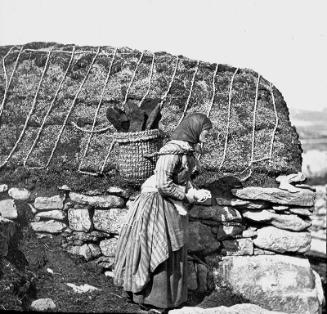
x=150, y=156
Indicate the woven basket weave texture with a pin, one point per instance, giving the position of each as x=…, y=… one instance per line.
x=133, y=166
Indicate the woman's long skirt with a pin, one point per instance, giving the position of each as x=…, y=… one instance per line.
x=151, y=257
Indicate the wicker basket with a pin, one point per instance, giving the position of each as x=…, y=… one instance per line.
x=134, y=167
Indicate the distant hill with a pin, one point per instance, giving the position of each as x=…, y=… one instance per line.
x=312, y=129
x=309, y=124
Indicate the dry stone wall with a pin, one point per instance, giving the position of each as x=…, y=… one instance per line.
x=252, y=241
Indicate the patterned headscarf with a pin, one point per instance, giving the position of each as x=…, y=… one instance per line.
x=191, y=127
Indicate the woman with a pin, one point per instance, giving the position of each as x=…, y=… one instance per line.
x=151, y=256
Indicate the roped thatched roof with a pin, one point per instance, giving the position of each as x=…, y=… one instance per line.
x=47, y=88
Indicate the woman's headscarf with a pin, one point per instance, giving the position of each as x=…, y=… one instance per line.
x=191, y=127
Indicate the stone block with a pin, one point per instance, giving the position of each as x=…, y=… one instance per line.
x=103, y=201
x=274, y=195
x=201, y=239
x=227, y=232
x=281, y=241
x=288, y=222
x=49, y=226
x=8, y=209
x=19, y=194
x=108, y=247
x=79, y=219
x=237, y=247
x=52, y=214
x=49, y=203
x=109, y=221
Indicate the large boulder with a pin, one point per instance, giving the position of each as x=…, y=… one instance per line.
x=275, y=282
x=236, y=100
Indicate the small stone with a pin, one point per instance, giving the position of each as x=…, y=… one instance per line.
x=109, y=274
x=67, y=231
x=3, y=188
x=68, y=205
x=258, y=251
x=93, y=236
x=322, y=211
x=116, y=190
x=238, y=247
x=41, y=305
x=52, y=214
x=41, y=235
x=318, y=223
x=280, y=207
x=318, y=247
x=249, y=233
x=306, y=186
x=281, y=241
x=64, y=188
x=19, y=194
x=110, y=220
x=79, y=219
x=105, y=262
x=108, y=247
x=192, y=283
x=82, y=288
x=292, y=178
x=8, y=209
x=94, y=192
x=105, y=201
x=49, y=203
x=33, y=210
x=320, y=203
x=88, y=251
x=49, y=226
x=225, y=232
x=202, y=272
x=304, y=211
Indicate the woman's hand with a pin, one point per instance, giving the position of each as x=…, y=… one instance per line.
x=202, y=195
x=197, y=195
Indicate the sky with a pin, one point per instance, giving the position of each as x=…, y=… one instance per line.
x=284, y=40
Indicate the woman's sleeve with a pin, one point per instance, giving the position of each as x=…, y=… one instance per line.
x=165, y=167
